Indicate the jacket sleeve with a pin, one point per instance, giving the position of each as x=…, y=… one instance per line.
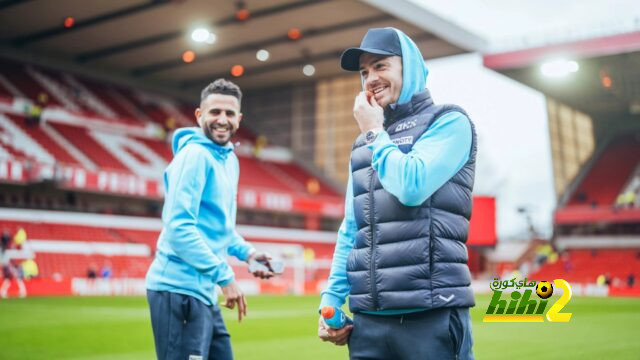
x=338, y=286
x=238, y=247
x=184, y=193
x=434, y=159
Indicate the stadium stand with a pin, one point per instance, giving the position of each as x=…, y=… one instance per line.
x=39, y=135
x=77, y=265
x=586, y=265
x=23, y=83
x=609, y=180
x=123, y=105
x=66, y=245
x=102, y=148
x=595, y=147
x=95, y=151
x=105, y=138
x=629, y=197
x=599, y=229
x=609, y=173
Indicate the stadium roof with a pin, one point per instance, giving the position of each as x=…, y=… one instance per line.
x=607, y=83
x=143, y=41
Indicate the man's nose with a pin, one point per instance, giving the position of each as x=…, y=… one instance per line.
x=372, y=77
x=222, y=119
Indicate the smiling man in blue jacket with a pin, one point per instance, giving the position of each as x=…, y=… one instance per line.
x=199, y=219
x=400, y=255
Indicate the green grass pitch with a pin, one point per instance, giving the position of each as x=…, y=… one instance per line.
x=284, y=327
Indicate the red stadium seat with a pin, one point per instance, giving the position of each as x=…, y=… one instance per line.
x=585, y=265
x=39, y=135
x=18, y=76
x=608, y=174
x=76, y=265
x=96, y=152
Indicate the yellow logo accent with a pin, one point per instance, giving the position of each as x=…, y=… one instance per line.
x=519, y=304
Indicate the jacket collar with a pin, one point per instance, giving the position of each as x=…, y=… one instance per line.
x=394, y=112
x=222, y=151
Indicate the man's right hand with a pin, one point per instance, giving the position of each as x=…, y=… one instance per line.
x=336, y=336
x=233, y=295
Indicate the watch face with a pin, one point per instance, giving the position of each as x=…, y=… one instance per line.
x=370, y=136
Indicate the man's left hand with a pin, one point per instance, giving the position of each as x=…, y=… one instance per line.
x=264, y=258
x=337, y=336
x=367, y=112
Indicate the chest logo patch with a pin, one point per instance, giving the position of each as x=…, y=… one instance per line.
x=405, y=140
x=406, y=125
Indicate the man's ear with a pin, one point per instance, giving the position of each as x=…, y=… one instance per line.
x=239, y=120
x=198, y=113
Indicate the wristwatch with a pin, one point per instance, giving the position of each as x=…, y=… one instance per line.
x=371, y=135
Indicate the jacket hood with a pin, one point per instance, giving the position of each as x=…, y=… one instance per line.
x=414, y=70
x=194, y=135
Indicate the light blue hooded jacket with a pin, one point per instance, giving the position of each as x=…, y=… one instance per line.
x=413, y=177
x=199, y=219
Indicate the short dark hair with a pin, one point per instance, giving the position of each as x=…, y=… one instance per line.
x=221, y=86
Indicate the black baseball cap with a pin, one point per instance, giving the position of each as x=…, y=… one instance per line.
x=379, y=41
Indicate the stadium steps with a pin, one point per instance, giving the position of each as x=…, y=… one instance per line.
x=160, y=147
x=302, y=177
x=60, y=92
x=254, y=174
x=105, y=94
x=10, y=148
x=8, y=90
x=85, y=98
x=81, y=139
x=41, y=137
x=15, y=73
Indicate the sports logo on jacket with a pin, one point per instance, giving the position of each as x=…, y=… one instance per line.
x=406, y=125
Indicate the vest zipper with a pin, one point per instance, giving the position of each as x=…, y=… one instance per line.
x=374, y=292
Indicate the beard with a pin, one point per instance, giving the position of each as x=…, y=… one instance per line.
x=219, y=134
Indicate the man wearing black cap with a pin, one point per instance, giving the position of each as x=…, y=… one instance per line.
x=400, y=256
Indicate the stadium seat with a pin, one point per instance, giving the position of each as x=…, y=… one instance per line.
x=132, y=107
x=40, y=136
x=585, y=265
x=80, y=137
x=608, y=174
x=25, y=83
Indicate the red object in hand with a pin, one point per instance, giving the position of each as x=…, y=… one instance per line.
x=328, y=312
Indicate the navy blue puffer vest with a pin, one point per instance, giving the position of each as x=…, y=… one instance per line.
x=408, y=257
